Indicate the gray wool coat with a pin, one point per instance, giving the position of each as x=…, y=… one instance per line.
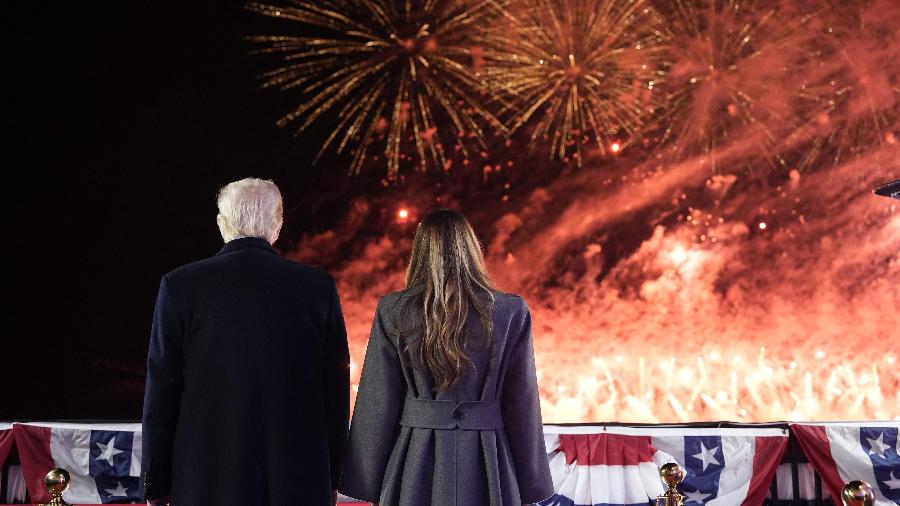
x=479, y=443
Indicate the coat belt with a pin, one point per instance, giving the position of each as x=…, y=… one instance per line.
x=449, y=415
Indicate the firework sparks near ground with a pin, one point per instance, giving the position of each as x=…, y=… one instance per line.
x=576, y=70
x=382, y=71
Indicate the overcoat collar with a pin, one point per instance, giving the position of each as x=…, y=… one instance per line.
x=246, y=242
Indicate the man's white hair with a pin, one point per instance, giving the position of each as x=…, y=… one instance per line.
x=250, y=207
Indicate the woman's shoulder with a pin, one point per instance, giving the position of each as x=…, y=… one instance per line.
x=394, y=301
x=509, y=303
x=508, y=298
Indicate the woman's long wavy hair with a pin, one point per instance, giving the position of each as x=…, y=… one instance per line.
x=446, y=278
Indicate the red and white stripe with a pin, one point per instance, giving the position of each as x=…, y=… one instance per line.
x=603, y=468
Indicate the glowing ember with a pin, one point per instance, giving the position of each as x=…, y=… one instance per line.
x=615, y=147
x=762, y=225
x=403, y=214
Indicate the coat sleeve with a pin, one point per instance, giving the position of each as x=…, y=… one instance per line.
x=376, y=416
x=521, y=407
x=336, y=384
x=162, y=395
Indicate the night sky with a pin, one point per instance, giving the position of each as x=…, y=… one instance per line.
x=747, y=246
x=132, y=115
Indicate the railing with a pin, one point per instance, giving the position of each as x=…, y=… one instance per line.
x=854, y=493
x=795, y=481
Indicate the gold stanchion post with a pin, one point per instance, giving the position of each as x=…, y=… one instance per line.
x=671, y=474
x=57, y=481
x=857, y=493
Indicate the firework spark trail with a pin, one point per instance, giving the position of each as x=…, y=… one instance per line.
x=575, y=69
x=383, y=71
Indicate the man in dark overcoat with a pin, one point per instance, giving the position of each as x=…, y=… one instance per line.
x=247, y=394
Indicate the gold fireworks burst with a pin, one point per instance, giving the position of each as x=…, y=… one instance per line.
x=580, y=71
x=382, y=71
x=851, y=95
x=731, y=86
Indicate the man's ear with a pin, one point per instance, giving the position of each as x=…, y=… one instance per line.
x=275, y=234
x=220, y=221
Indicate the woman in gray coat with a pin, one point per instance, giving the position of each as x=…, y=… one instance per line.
x=447, y=412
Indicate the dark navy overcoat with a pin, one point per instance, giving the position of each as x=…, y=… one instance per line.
x=247, y=394
x=480, y=443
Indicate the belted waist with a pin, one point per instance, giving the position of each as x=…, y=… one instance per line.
x=448, y=415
